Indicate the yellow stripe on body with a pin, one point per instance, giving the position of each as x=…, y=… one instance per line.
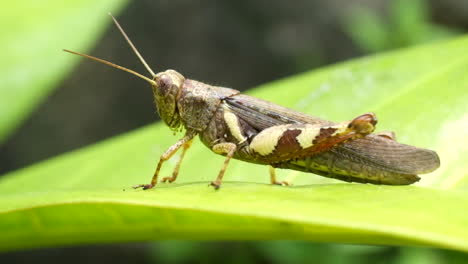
x=341, y=128
x=233, y=125
x=309, y=133
x=265, y=142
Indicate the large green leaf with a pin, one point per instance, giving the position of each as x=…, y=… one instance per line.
x=33, y=32
x=420, y=93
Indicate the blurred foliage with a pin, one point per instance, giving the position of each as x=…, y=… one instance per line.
x=31, y=44
x=409, y=23
x=298, y=252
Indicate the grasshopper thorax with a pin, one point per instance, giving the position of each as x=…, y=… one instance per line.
x=166, y=90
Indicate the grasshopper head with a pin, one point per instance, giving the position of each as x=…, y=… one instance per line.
x=166, y=85
x=165, y=90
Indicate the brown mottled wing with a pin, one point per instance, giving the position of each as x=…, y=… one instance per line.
x=373, y=159
x=262, y=114
x=394, y=156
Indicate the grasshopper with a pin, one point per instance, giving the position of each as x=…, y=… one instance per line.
x=257, y=131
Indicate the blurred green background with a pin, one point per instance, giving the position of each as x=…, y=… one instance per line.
x=238, y=44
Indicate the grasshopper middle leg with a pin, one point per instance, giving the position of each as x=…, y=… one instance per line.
x=223, y=148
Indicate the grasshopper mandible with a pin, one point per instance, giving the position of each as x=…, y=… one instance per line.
x=253, y=130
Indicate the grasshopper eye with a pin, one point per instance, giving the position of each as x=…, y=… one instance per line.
x=164, y=82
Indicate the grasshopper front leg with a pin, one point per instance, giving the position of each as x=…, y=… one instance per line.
x=185, y=142
x=177, y=167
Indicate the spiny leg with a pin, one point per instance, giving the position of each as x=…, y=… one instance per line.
x=177, y=167
x=273, y=177
x=223, y=148
x=167, y=155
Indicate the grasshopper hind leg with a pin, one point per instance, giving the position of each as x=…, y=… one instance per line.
x=273, y=177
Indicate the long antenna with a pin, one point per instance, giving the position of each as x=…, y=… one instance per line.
x=113, y=65
x=132, y=46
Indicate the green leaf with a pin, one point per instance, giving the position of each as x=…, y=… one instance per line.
x=420, y=93
x=32, y=38
x=408, y=24
x=368, y=30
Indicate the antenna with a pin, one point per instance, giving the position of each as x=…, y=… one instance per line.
x=114, y=66
x=132, y=46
